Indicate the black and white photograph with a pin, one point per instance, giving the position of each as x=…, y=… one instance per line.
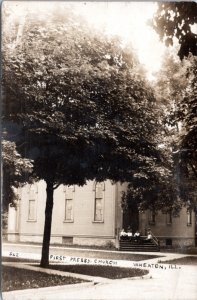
x=98, y=150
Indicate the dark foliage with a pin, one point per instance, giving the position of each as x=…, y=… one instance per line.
x=82, y=111
x=173, y=19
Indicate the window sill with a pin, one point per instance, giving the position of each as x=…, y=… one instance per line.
x=32, y=221
x=189, y=224
x=97, y=221
x=68, y=221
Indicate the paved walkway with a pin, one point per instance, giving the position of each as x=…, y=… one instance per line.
x=159, y=284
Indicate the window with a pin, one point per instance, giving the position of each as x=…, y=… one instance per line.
x=69, y=196
x=169, y=242
x=98, y=205
x=32, y=195
x=69, y=210
x=98, y=210
x=189, y=217
x=169, y=218
x=151, y=217
x=32, y=210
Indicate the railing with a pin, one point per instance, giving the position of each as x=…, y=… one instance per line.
x=156, y=241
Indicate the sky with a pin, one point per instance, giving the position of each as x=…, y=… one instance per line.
x=126, y=19
x=129, y=20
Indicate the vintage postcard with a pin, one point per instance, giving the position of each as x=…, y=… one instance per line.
x=99, y=153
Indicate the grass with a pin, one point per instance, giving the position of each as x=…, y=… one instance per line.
x=17, y=279
x=189, y=260
x=101, y=271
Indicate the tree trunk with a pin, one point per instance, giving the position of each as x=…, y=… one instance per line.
x=47, y=226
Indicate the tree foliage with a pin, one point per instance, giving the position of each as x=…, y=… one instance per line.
x=16, y=171
x=174, y=19
x=176, y=90
x=78, y=93
x=177, y=20
x=82, y=111
x=186, y=114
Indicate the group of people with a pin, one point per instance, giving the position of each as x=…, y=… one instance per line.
x=128, y=235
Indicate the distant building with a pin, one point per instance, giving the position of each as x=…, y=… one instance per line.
x=92, y=215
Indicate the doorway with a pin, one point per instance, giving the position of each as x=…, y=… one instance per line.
x=131, y=218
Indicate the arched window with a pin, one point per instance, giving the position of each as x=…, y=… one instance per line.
x=99, y=201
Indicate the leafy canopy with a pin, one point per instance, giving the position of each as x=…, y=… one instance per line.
x=174, y=19
x=176, y=90
x=83, y=111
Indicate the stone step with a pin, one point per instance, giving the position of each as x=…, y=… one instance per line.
x=139, y=250
x=150, y=246
x=139, y=246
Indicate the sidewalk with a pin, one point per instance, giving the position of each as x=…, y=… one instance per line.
x=168, y=284
x=60, y=250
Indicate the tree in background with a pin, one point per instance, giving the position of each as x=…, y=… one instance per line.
x=174, y=20
x=175, y=90
x=177, y=20
x=186, y=114
x=16, y=171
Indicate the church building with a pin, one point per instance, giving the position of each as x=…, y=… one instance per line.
x=93, y=215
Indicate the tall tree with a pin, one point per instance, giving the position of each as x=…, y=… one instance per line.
x=82, y=111
x=186, y=114
x=177, y=20
x=175, y=89
x=174, y=19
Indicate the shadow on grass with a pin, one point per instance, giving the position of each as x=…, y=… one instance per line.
x=100, y=271
x=19, y=279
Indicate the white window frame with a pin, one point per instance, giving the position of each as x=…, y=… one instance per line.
x=32, y=191
x=189, y=217
x=34, y=219
x=102, y=202
x=65, y=213
x=69, y=196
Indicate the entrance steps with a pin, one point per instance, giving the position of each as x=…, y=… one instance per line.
x=142, y=246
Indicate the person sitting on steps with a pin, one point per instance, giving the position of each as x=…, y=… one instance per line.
x=149, y=236
x=137, y=236
x=123, y=234
x=129, y=233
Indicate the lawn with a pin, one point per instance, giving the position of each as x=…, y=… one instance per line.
x=101, y=271
x=189, y=260
x=20, y=279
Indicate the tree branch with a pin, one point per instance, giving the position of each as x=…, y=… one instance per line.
x=56, y=186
